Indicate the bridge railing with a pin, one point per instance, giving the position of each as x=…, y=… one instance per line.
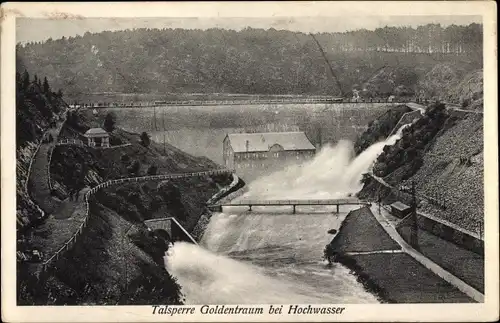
x=245, y=101
x=292, y=202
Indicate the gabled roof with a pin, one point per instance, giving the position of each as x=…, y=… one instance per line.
x=96, y=132
x=400, y=206
x=253, y=142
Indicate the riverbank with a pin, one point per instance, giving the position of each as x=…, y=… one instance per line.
x=394, y=277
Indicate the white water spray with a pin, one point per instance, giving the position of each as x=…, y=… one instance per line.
x=276, y=257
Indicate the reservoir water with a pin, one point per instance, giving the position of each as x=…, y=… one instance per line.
x=270, y=255
x=200, y=130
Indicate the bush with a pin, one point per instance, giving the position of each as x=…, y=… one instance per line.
x=125, y=158
x=115, y=141
x=145, y=141
x=152, y=170
x=134, y=168
x=109, y=122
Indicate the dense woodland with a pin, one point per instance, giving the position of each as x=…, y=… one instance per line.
x=252, y=60
x=36, y=107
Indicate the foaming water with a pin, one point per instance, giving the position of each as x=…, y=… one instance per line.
x=270, y=255
x=333, y=173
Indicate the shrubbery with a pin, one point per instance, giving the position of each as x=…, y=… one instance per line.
x=411, y=146
x=145, y=141
x=380, y=128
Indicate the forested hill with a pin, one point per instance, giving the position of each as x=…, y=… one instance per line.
x=254, y=60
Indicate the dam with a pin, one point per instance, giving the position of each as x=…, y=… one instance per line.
x=264, y=256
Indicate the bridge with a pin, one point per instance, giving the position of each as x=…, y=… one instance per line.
x=258, y=101
x=294, y=203
x=175, y=230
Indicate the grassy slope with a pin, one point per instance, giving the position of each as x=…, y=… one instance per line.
x=395, y=278
x=360, y=231
x=93, y=272
x=401, y=279
x=466, y=265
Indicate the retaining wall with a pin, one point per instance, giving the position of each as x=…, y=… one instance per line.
x=450, y=232
x=202, y=223
x=441, y=229
x=444, y=229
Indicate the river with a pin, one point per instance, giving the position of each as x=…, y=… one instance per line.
x=270, y=255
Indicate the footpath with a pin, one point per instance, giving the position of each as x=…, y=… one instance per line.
x=383, y=219
x=62, y=217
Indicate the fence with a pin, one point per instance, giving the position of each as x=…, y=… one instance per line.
x=29, y=174
x=242, y=102
x=217, y=196
x=51, y=150
x=79, y=142
x=70, y=142
x=106, y=184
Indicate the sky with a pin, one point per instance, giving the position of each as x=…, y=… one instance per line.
x=40, y=29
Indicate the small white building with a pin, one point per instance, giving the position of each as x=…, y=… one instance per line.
x=97, y=137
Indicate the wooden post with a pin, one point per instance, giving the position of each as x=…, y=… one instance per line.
x=294, y=209
x=414, y=227
x=337, y=208
x=249, y=208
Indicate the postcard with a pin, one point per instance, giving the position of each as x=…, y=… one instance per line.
x=249, y=161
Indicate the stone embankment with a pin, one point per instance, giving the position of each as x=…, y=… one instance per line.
x=202, y=223
x=444, y=229
x=390, y=268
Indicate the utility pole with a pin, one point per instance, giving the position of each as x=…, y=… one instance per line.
x=320, y=139
x=379, y=200
x=163, y=123
x=154, y=116
x=125, y=264
x=414, y=227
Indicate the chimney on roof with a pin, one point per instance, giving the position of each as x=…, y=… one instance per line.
x=247, y=144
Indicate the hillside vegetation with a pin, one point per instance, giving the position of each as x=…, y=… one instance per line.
x=443, y=154
x=380, y=128
x=116, y=260
x=255, y=61
x=37, y=107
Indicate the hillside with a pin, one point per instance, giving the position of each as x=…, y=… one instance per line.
x=253, y=61
x=443, y=154
x=380, y=128
x=37, y=108
x=454, y=83
x=115, y=260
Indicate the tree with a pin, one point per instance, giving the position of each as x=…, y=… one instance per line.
x=145, y=139
x=109, y=122
x=134, y=168
x=59, y=93
x=152, y=170
x=125, y=158
x=46, y=87
x=26, y=80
